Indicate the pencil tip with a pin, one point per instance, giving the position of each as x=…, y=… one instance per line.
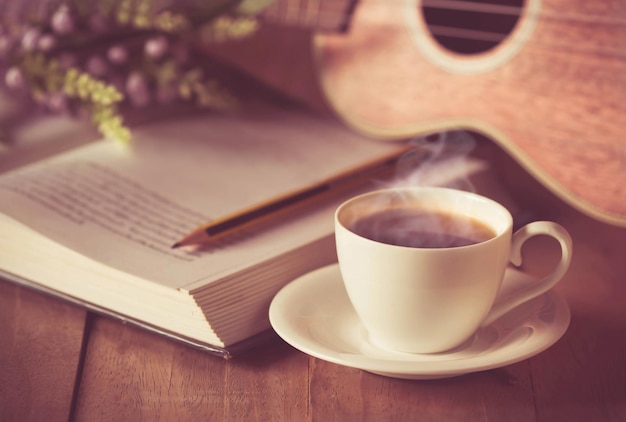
x=176, y=245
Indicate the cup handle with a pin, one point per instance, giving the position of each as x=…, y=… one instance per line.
x=511, y=299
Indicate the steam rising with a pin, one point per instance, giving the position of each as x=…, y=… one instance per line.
x=441, y=159
x=444, y=160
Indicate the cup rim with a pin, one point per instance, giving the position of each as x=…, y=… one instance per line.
x=507, y=228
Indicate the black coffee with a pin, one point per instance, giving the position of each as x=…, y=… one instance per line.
x=418, y=228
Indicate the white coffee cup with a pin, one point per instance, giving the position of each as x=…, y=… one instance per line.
x=432, y=299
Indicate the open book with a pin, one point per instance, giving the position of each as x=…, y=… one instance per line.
x=95, y=224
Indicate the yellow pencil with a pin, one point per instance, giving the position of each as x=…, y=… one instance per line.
x=288, y=203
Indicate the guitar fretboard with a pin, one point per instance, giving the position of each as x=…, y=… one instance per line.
x=462, y=26
x=321, y=15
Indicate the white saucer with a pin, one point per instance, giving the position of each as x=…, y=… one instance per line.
x=314, y=315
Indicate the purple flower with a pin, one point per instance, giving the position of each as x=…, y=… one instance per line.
x=47, y=42
x=97, y=66
x=117, y=54
x=137, y=89
x=14, y=78
x=62, y=21
x=57, y=102
x=5, y=44
x=30, y=39
x=156, y=47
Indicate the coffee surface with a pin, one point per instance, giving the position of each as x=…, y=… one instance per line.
x=417, y=228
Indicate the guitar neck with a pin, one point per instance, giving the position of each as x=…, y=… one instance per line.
x=465, y=27
x=320, y=15
x=547, y=84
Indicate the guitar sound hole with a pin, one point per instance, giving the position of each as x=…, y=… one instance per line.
x=471, y=26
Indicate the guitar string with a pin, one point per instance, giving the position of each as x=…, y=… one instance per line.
x=615, y=50
x=334, y=13
x=456, y=5
x=323, y=14
x=323, y=11
x=320, y=10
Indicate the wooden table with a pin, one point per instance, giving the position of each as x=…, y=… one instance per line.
x=59, y=362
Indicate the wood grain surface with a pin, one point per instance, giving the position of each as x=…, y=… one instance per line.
x=40, y=353
x=130, y=374
x=59, y=363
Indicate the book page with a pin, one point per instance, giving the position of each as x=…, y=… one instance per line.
x=125, y=205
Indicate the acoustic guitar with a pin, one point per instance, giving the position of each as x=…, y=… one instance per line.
x=545, y=79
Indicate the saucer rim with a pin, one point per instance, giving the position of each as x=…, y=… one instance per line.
x=282, y=325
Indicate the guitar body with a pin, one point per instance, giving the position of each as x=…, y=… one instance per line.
x=552, y=93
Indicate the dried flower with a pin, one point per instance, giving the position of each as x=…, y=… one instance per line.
x=117, y=54
x=107, y=56
x=156, y=47
x=227, y=27
x=14, y=78
x=62, y=21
